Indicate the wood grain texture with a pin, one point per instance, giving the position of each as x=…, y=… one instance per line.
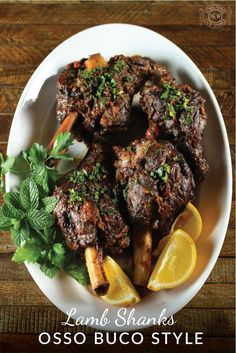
x=202, y=56
x=17, y=76
x=27, y=293
x=228, y=249
x=9, y=97
x=140, y=13
x=49, y=34
x=29, y=32
x=35, y=319
x=223, y=271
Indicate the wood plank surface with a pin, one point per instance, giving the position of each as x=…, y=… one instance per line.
x=10, y=75
x=22, y=35
x=223, y=271
x=202, y=56
x=86, y=13
x=228, y=249
x=27, y=293
x=9, y=97
x=35, y=319
x=28, y=33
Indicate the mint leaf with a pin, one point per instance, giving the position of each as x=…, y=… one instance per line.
x=76, y=269
x=13, y=198
x=29, y=194
x=37, y=153
x=49, y=203
x=62, y=141
x=10, y=211
x=5, y=222
x=21, y=166
x=41, y=179
x=45, y=178
x=48, y=235
x=57, y=255
x=39, y=219
x=52, y=175
x=7, y=164
x=16, y=223
x=20, y=234
x=24, y=231
x=79, y=273
x=30, y=252
x=49, y=269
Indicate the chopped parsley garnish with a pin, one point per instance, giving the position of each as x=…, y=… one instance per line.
x=75, y=196
x=82, y=175
x=120, y=65
x=162, y=173
x=171, y=110
x=188, y=119
x=99, y=191
x=79, y=177
x=97, y=173
x=89, y=74
x=176, y=102
x=170, y=92
x=100, y=80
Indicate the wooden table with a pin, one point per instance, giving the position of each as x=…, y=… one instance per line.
x=28, y=32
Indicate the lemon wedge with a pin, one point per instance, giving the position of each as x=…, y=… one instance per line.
x=162, y=243
x=176, y=262
x=189, y=221
x=121, y=291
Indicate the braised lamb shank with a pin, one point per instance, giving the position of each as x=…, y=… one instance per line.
x=101, y=92
x=176, y=112
x=156, y=181
x=155, y=175
x=87, y=212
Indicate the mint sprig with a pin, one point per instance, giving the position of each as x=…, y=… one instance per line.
x=27, y=212
x=29, y=194
x=5, y=165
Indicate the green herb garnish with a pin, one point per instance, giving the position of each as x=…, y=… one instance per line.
x=27, y=211
x=176, y=102
x=120, y=65
x=162, y=173
x=171, y=110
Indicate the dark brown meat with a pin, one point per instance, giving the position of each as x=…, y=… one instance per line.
x=87, y=212
x=103, y=96
x=156, y=182
x=176, y=112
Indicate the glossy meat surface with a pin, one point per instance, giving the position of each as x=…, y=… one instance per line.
x=176, y=112
x=156, y=182
x=87, y=212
